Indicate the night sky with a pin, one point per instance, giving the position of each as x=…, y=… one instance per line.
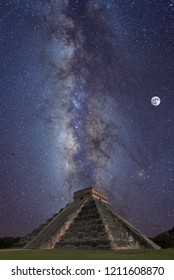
x=77, y=78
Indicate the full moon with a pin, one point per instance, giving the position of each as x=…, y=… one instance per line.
x=155, y=101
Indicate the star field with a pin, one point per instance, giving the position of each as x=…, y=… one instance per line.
x=77, y=78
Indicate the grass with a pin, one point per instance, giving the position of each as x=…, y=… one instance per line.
x=65, y=254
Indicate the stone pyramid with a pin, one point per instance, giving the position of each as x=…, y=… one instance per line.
x=90, y=223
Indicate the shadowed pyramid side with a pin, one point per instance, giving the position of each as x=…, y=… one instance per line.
x=52, y=232
x=121, y=233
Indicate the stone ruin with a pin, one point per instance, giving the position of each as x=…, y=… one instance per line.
x=88, y=222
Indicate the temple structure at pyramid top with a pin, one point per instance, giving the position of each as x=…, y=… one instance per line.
x=90, y=193
x=88, y=222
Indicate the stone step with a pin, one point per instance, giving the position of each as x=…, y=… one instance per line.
x=87, y=221
x=89, y=212
x=86, y=235
x=95, y=243
x=87, y=217
x=92, y=228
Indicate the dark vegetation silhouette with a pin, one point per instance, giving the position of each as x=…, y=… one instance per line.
x=8, y=242
x=165, y=239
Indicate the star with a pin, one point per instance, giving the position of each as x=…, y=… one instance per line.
x=76, y=84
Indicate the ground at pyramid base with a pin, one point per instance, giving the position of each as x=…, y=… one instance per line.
x=89, y=222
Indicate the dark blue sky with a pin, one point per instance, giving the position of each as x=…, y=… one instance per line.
x=77, y=78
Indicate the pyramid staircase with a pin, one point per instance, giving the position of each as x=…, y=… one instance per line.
x=87, y=230
x=90, y=223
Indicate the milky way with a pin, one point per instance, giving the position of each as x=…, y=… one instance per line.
x=77, y=83
x=85, y=92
